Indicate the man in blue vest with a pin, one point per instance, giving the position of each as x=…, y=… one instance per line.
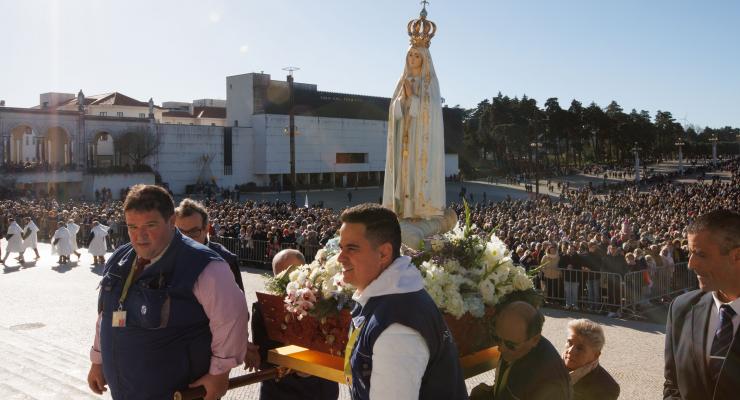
x=399, y=346
x=170, y=315
x=191, y=218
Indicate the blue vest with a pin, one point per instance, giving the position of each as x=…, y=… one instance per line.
x=442, y=378
x=166, y=343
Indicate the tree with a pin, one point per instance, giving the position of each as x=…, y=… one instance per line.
x=134, y=147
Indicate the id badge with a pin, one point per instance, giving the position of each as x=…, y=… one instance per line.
x=119, y=319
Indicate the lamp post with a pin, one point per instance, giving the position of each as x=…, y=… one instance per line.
x=679, y=143
x=738, y=142
x=291, y=128
x=714, y=139
x=636, y=152
x=536, y=146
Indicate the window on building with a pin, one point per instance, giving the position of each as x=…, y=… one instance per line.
x=120, y=114
x=228, y=151
x=103, y=114
x=142, y=115
x=351, y=158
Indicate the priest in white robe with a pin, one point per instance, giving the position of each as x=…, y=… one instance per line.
x=73, y=230
x=98, y=246
x=61, y=243
x=30, y=236
x=15, y=240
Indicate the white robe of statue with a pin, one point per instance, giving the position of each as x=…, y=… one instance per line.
x=63, y=245
x=98, y=246
x=31, y=241
x=73, y=229
x=15, y=242
x=414, y=185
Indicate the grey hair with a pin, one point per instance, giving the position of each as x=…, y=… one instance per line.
x=590, y=331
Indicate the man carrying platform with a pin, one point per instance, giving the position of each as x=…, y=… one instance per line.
x=295, y=386
x=170, y=315
x=399, y=345
x=530, y=367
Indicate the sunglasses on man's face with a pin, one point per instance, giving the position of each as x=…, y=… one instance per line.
x=508, y=343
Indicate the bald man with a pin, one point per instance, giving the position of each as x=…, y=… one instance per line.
x=293, y=386
x=530, y=366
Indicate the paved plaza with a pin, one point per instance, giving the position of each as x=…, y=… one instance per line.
x=48, y=318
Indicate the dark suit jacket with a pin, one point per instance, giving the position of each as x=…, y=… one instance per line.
x=596, y=385
x=686, y=375
x=231, y=259
x=290, y=387
x=539, y=375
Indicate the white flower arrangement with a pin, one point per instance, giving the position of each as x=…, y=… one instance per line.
x=463, y=273
x=316, y=288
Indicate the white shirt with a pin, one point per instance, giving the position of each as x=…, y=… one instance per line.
x=714, y=321
x=400, y=354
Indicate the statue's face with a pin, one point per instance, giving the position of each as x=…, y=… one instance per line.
x=414, y=59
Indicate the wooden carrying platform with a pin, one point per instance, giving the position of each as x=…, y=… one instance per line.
x=331, y=367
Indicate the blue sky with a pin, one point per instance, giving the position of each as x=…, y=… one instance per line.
x=679, y=56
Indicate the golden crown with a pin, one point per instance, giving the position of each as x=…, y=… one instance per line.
x=421, y=30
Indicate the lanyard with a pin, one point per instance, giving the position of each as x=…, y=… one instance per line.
x=348, y=352
x=127, y=285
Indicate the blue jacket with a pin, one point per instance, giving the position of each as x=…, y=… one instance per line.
x=230, y=258
x=443, y=378
x=166, y=343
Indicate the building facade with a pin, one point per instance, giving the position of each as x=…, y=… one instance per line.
x=77, y=142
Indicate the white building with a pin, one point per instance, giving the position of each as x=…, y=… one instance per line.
x=88, y=141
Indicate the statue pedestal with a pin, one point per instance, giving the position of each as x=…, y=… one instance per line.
x=414, y=231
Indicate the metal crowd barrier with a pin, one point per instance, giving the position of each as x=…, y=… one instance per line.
x=629, y=293
x=262, y=251
x=646, y=288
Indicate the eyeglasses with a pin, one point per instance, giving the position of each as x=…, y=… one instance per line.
x=192, y=233
x=508, y=343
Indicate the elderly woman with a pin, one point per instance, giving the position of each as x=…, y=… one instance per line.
x=581, y=356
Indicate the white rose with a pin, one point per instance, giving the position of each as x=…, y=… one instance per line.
x=487, y=291
x=522, y=282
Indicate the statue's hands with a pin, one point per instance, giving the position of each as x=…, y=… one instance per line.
x=407, y=90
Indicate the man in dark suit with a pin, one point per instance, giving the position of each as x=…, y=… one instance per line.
x=702, y=350
x=191, y=218
x=530, y=367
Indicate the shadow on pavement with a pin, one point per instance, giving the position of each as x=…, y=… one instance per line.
x=62, y=268
x=9, y=270
x=97, y=269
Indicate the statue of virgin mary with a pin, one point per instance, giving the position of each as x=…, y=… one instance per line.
x=414, y=186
